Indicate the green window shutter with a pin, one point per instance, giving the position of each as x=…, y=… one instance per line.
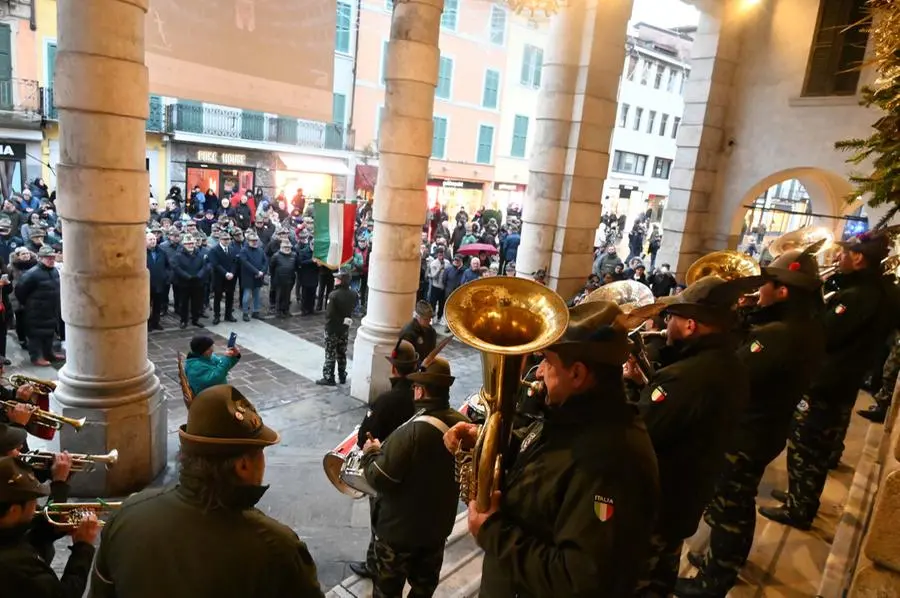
x=450, y=14
x=538, y=66
x=286, y=130
x=439, y=139
x=525, y=77
x=338, y=108
x=498, y=25
x=253, y=125
x=485, y=144
x=489, y=97
x=6, y=85
x=155, y=119
x=51, y=68
x=342, y=28
x=520, y=136
x=189, y=116
x=384, y=53
x=445, y=79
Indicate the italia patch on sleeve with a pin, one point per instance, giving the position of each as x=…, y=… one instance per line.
x=756, y=347
x=658, y=395
x=840, y=308
x=603, y=507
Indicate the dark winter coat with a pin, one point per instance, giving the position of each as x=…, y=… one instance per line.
x=252, y=261
x=189, y=268
x=8, y=244
x=160, y=270
x=341, y=303
x=423, y=338
x=283, y=268
x=308, y=270
x=243, y=215
x=38, y=293
x=223, y=262
x=387, y=412
x=509, y=248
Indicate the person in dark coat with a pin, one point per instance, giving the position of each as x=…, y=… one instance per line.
x=189, y=274
x=581, y=489
x=26, y=540
x=253, y=267
x=8, y=240
x=171, y=246
x=858, y=319
x=307, y=275
x=325, y=286
x=209, y=218
x=387, y=412
x=419, y=330
x=243, y=214
x=160, y=276
x=338, y=318
x=662, y=281
x=223, y=262
x=283, y=269
x=224, y=544
x=272, y=248
x=691, y=407
x=509, y=247
x=38, y=293
x=417, y=489
x=783, y=350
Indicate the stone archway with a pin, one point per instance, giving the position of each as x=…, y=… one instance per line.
x=827, y=192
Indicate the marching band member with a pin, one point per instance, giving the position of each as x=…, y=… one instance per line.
x=26, y=541
x=419, y=330
x=858, y=319
x=417, y=490
x=581, y=495
x=204, y=536
x=386, y=413
x=690, y=407
x=783, y=351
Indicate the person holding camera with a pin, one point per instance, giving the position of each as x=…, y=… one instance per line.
x=204, y=368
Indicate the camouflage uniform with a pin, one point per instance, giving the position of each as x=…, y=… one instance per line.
x=665, y=558
x=335, y=349
x=889, y=376
x=420, y=567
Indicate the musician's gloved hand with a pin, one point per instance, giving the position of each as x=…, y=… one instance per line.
x=87, y=531
x=62, y=467
x=461, y=434
x=20, y=414
x=24, y=392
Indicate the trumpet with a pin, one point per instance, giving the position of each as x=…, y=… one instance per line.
x=649, y=334
x=44, y=387
x=69, y=515
x=48, y=418
x=80, y=463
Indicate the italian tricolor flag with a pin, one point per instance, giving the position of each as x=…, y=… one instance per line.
x=335, y=221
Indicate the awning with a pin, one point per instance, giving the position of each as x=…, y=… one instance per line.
x=366, y=177
x=316, y=164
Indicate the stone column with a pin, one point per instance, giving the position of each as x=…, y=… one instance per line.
x=102, y=91
x=575, y=117
x=702, y=139
x=404, y=147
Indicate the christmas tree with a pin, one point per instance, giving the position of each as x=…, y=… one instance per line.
x=882, y=184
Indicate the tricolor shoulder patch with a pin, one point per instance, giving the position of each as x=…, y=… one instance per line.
x=756, y=347
x=603, y=507
x=658, y=394
x=840, y=308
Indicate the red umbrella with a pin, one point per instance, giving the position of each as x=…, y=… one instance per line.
x=476, y=248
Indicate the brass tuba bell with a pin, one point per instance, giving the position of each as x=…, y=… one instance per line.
x=726, y=264
x=801, y=239
x=506, y=319
x=627, y=294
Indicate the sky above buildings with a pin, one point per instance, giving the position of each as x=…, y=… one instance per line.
x=664, y=13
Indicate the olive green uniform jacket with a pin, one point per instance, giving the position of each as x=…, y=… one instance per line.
x=162, y=542
x=578, y=506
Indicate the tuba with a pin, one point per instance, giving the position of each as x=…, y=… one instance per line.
x=726, y=264
x=506, y=319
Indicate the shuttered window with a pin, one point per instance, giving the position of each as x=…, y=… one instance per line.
x=520, y=136
x=445, y=79
x=491, y=93
x=439, y=138
x=485, y=144
x=342, y=28
x=838, y=49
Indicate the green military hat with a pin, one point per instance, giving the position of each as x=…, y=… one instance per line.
x=436, y=373
x=5, y=223
x=794, y=268
x=17, y=482
x=37, y=231
x=710, y=299
x=223, y=422
x=155, y=227
x=598, y=332
x=46, y=251
x=874, y=245
x=11, y=437
x=403, y=355
x=424, y=309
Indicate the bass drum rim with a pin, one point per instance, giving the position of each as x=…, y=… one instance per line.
x=333, y=463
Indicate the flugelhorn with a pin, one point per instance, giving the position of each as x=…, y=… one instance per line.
x=80, y=463
x=69, y=515
x=41, y=386
x=48, y=418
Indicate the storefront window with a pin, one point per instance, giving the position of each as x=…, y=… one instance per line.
x=452, y=195
x=308, y=183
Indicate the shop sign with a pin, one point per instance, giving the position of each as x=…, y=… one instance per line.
x=509, y=187
x=221, y=158
x=12, y=151
x=452, y=184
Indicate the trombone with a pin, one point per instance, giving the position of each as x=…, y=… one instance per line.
x=80, y=463
x=48, y=418
x=69, y=515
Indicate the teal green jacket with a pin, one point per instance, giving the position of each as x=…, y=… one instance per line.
x=203, y=372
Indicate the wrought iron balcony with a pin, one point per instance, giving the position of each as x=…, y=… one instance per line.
x=193, y=117
x=20, y=99
x=155, y=121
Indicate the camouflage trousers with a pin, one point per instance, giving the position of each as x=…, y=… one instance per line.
x=662, y=568
x=335, y=350
x=889, y=374
x=421, y=567
x=817, y=428
x=731, y=516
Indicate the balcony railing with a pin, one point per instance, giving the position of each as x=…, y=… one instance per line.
x=155, y=121
x=191, y=117
x=21, y=96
